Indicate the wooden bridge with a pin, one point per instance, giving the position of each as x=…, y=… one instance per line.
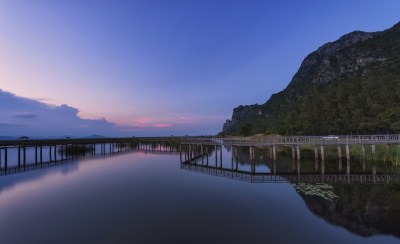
x=63, y=150
x=191, y=147
x=296, y=140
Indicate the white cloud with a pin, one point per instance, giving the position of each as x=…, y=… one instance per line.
x=22, y=116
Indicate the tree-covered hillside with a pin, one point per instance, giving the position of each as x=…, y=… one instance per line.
x=350, y=86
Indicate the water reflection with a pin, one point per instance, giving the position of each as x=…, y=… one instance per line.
x=364, y=209
x=363, y=197
x=141, y=197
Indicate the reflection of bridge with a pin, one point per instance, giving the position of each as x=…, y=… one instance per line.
x=291, y=177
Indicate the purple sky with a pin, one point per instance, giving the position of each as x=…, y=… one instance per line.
x=158, y=67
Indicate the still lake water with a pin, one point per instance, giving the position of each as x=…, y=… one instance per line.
x=137, y=197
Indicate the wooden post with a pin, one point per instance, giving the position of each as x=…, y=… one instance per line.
x=55, y=153
x=270, y=152
x=36, y=155
x=41, y=154
x=5, y=160
x=216, y=155
x=207, y=155
x=180, y=152
x=24, y=150
x=298, y=153
x=293, y=153
x=339, y=149
x=298, y=167
x=19, y=157
x=322, y=153
x=220, y=155
x=316, y=152
x=347, y=159
x=274, y=152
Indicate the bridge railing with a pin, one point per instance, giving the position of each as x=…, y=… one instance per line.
x=293, y=140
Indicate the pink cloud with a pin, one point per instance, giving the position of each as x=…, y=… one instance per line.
x=165, y=125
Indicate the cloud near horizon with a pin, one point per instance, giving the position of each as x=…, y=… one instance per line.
x=24, y=116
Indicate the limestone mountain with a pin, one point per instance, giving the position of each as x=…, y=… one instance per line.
x=351, y=85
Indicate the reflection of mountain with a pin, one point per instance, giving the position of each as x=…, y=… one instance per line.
x=350, y=200
x=363, y=209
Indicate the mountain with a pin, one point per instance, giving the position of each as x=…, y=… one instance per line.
x=349, y=86
x=95, y=136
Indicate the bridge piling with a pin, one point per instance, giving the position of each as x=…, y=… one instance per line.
x=322, y=153
x=36, y=155
x=316, y=152
x=274, y=152
x=24, y=154
x=5, y=159
x=298, y=152
x=41, y=154
x=19, y=157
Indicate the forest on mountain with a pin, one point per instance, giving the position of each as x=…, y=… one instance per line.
x=350, y=86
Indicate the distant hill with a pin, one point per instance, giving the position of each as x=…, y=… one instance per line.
x=350, y=86
x=95, y=136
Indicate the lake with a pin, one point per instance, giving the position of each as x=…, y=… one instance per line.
x=141, y=197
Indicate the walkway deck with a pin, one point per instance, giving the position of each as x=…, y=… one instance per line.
x=296, y=140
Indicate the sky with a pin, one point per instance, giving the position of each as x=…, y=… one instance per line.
x=158, y=68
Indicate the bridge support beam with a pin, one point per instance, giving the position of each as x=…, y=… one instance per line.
x=322, y=153
x=274, y=152
x=5, y=160
x=19, y=157
x=298, y=152
x=24, y=151
x=36, y=155
x=316, y=152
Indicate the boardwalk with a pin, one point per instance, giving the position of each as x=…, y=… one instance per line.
x=56, y=151
x=189, y=148
x=297, y=140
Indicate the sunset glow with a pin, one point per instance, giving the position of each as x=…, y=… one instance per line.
x=162, y=68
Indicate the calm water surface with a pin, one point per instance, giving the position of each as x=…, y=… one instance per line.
x=146, y=198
